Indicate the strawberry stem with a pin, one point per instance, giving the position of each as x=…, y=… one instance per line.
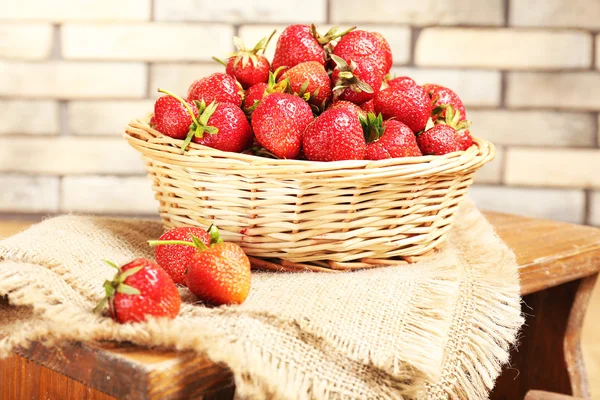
x=185, y=103
x=220, y=61
x=163, y=242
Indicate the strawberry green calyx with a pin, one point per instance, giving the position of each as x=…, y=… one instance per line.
x=347, y=79
x=246, y=55
x=196, y=128
x=272, y=87
x=201, y=125
x=331, y=34
x=372, y=126
x=213, y=231
x=452, y=119
x=117, y=285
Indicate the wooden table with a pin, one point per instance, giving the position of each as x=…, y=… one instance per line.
x=559, y=264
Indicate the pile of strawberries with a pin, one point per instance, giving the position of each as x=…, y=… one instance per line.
x=322, y=98
x=217, y=272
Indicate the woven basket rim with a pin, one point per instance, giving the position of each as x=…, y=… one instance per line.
x=139, y=134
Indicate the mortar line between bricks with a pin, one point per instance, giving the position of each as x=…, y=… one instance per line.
x=56, y=51
x=594, y=42
x=152, y=10
x=503, y=88
x=63, y=118
x=587, y=207
x=507, y=13
x=59, y=206
x=415, y=32
x=328, y=11
x=503, y=164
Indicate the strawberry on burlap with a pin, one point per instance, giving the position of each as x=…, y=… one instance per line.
x=437, y=329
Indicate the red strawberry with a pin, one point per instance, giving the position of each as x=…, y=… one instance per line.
x=455, y=120
x=334, y=135
x=173, y=258
x=389, y=139
x=409, y=104
x=357, y=82
x=360, y=112
x=368, y=106
x=401, y=82
x=173, y=118
x=439, y=139
x=218, y=87
x=302, y=43
x=359, y=45
x=224, y=127
x=219, y=274
x=257, y=92
x=310, y=81
x=440, y=96
x=279, y=121
x=248, y=66
x=140, y=289
x=254, y=93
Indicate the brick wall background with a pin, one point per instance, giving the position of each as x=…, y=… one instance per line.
x=73, y=72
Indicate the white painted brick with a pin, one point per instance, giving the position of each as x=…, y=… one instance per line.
x=595, y=209
x=503, y=48
x=553, y=167
x=104, y=117
x=554, y=204
x=22, y=193
x=76, y=10
x=65, y=80
x=555, y=13
x=65, y=155
x=397, y=37
x=148, y=42
x=423, y=12
x=537, y=128
x=108, y=194
x=474, y=87
x=26, y=41
x=236, y=11
x=567, y=90
x=492, y=171
x=177, y=78
x=37, y=117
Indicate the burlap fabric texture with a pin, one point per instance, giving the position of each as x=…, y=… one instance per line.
x=437, y=329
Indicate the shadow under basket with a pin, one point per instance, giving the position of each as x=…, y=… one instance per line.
x=294, y=214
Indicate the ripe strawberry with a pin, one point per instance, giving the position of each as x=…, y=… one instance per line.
x=302, y=43
x=359, y=45
x=408, y=104
x=219, y=274
x=279, y=121
x=218, y=87
x=439, y=139
x=227, y=127
x=334, y=135
x=172, y=117
x=357, y=82
x=368, y=106
x=360, y=112
x=173, y=258
x=248, y=66
x=455, y=120
x=253, y=94
x=389, y=139
x=440, y=96
x=140, y=289
x=401, y=82
x=310, y=81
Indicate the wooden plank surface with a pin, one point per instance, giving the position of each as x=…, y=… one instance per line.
x=549, y=253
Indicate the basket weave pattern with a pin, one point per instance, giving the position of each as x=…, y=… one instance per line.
x=302, y=211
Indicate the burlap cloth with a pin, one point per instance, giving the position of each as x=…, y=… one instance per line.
x=437, y=329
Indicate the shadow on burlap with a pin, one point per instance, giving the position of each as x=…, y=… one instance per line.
x=438, y=329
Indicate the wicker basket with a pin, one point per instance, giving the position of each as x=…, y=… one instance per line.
x=344, y=214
